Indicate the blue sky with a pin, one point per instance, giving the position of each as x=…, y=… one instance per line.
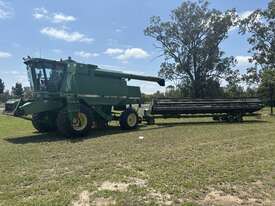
x=107, y=33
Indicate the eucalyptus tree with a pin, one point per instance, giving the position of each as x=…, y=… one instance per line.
x=260, y=26
x=190, y=43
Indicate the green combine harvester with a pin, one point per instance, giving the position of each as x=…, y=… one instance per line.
x=72, y=97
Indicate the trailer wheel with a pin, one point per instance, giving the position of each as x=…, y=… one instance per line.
x=150, y=120
x=128, y=119
x=44, y=121
x=79, y=126
x=231, y=118
x=216, y=118
x=238, y=118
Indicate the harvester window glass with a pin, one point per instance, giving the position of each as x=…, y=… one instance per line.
x=30, y=77
x=40, y=79
x=54, y=78
x=48, y=79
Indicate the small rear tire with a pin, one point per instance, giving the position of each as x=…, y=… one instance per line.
x=238, y=118
x=128, y=119
x=216, y=118
x=150, y=120
x=79, y=126
x=44, y=121
x=230, y=118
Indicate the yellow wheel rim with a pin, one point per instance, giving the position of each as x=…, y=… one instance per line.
x=80, y=122
x=132, y=120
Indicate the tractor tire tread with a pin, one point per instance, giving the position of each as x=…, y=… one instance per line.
x=39, y=123
x=123, y=119
x=64, y=124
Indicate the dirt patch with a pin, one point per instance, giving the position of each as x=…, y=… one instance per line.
x=162, y=199
x=83, y=199
x=258, y=183
x=255, y=193
x=114, y=186
x=219, y=198
x=138, y=182
x=103, y=202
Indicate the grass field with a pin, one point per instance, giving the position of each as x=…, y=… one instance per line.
x=177, y=163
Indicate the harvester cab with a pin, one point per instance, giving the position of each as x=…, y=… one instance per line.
x=72, y=97
x=45, y=78
x=45, y=75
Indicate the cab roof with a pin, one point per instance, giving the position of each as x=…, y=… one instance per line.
x=36, y=61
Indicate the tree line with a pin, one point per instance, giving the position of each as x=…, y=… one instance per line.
x=17, y=91
x=194, y=62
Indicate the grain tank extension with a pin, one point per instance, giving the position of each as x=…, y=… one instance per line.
x=72, y=97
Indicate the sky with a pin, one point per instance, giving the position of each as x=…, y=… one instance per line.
x=108, y=33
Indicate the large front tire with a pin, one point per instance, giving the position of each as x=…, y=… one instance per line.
x=128, y=119
x=44, y=121
x=79, y=126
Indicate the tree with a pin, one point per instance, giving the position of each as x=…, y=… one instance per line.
x=251, y=92
x=172, y=91
x=233, y=91
x=234, y=87
x=267, y=86
x=2, y=86
x=27, y=93
x=17, y=90
x=261, y=27
x=5, y=96
x=190, y=43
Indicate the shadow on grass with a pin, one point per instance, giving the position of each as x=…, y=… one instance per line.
x=54, y=137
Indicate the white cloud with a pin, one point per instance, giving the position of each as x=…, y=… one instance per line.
x=242, y=15
x=6, y=11
x=133, y=53
x=245, y=14
x=59, y=18
x=113, y=51
x=42, y=13
x=4, y=55
x=65, y=35
x=84, y=54
x=243, y=62
x=125, y=54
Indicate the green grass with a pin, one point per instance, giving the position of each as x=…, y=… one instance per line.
x=179, y=162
